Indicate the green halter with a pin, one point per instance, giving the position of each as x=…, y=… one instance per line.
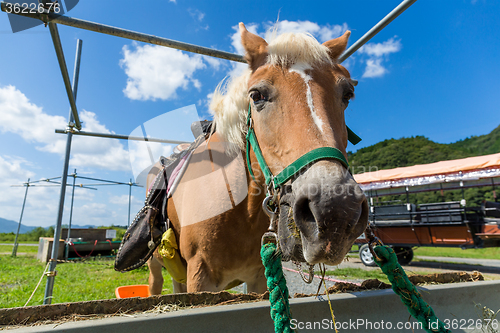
x=292, y=169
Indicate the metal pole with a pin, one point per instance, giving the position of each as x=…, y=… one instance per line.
x=14, y=249
x=64, y=71
x=376, y=29
x=493, y=188
x=68, y=236
x=118, y=136
x=129, y=197
x=57, y=233
x=124, y=33
x=151, y=39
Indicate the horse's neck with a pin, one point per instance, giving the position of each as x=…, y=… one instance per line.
x=217, y=184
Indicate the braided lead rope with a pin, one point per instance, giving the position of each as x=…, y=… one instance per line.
x=278, y=291
x=387, y=260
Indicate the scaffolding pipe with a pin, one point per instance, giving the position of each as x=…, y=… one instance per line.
x=129, y=200
x=151, y=39
x=64, y=71
x=68, y=236
x=14, y=249
x=376, y=29
x=129, y=34
x=51, y=273
x=119, y=136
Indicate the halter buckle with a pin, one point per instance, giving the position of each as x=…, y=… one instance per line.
x=269, y=237
x=267, y=207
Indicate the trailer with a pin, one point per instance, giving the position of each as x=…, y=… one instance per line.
x=405, y=225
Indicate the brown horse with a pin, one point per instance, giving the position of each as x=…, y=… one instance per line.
x=297, y=93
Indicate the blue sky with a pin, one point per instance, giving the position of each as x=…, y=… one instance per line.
x=433, y=71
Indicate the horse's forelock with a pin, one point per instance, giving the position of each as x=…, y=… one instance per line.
x=292, y=48
x=230, y=104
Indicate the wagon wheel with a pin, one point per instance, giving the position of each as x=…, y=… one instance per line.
x=404, y=254
x=366, y=256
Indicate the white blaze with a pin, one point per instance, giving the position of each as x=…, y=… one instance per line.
x=300, y=69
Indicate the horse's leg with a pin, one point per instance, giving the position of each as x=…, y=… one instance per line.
x=155, y=276
x=258, y=284
x=178, y=287
x=198, y=276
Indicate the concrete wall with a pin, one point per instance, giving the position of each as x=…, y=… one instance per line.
x=453, y=303
x=87, y=234
x=45, y=249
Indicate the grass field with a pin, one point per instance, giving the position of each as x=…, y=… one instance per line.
x=75, y=282
x=93, y=280
x=453, y=252
x=487, y=253
x=20, y=249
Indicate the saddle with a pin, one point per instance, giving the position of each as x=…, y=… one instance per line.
x=151, y=222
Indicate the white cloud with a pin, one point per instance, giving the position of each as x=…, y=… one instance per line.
x=381, y=49
x=214, y=62
x=208, y=101
x=123, y=200
x=93, y=213
x=11, y=170
x=374, y=68
x=40, y=201
x=102, y=153
x=377, y=54
x=156, y=72
x=196, y=14
x=19, y=116
x=205, y=103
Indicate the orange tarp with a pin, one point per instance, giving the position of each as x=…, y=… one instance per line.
x=443, y=167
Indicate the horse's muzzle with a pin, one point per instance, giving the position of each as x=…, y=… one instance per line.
x=329, y=211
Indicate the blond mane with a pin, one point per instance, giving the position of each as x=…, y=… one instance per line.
x=230, y=101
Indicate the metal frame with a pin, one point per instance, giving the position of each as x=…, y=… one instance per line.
x=14, y=249
x=29, y=184
x=52, y=19
x=48, y=17
x=117, y=136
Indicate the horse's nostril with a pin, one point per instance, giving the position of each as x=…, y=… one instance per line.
x=303, y=212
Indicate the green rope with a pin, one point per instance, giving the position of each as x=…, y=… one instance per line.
x=278, y=291
x=409, y=295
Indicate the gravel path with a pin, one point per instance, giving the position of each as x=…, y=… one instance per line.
x=295, y=283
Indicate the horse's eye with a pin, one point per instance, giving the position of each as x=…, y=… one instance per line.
x=257, y=96
x=347, y=96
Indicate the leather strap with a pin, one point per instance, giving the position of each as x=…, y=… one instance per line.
x=292, y=169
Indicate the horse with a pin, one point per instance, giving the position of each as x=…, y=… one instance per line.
x=292, y=97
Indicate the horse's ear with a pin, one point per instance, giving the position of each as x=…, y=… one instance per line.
x=338, y=45
x=255, y=48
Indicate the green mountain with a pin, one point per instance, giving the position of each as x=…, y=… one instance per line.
x=480, y=145
x=7, y=226
x=403, y=152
